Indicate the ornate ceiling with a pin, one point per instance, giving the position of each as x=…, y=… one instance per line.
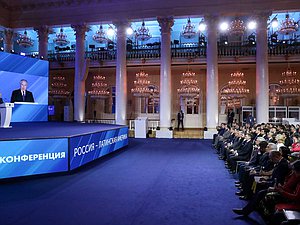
x=31, y=13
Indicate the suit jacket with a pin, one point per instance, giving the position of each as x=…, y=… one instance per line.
x=180, y=116
x=16, y=96
x=281, y=170
x=238, y=145
x=245, y=151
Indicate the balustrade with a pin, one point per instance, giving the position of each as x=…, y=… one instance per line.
x=179, y=52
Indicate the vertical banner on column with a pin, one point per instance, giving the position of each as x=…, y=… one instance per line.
x=86, y=148
x=31, y=157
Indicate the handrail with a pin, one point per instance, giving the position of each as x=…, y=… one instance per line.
x=180, y=52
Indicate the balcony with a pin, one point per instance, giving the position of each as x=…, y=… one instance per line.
x=193, y=50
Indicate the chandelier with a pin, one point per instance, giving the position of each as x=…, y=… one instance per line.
x=237, y=27
x=237, y=86
x=288, y=26
x=24, y=40
x=59, y=87
x=61, y=38
x=189, y=86
x=230, y=101
x=289, y=84
x=189, y=30
x=99, y=87
x=142, y=88
x=143, y=34
x=100, y=36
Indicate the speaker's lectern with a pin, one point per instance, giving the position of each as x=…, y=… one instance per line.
x=6, y=112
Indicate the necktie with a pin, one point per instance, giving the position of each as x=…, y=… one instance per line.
x=23, y=96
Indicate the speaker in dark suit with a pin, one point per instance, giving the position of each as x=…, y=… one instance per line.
x=22, y=94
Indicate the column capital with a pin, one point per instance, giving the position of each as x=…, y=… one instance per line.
x=80, y=29
x=121, y=24
x=43, y=30
x=262, y=18
x=8, y=34
x=166, y=24
x=211, y=19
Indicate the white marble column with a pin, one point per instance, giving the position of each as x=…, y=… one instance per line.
x=138, y=106
x=81, y=70
x=121, y=74
x=212, y=87
x=165, y=73
x=43, y=32
x=262, y=70
x=8, y=40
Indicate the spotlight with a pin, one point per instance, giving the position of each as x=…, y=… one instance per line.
x=274, y=22
x=41, y=57
x=224, y=40
x=202, y=26
x=251, y=39
x=274, y=38
x=202, y=40
x=22, y=53
x=2, y=49
x=251, y=25
x=110, y=32
x=129, y=31
x=12, y=51
x=224, y=26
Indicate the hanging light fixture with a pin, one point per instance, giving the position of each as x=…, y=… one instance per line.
x=237, y=86
x=142, y=85
x=99, y=87
x=100, y=36
x=230, y=101
x=24, y=40
x=142, y=33
x=189, y=31
x=288, y=26
x=59, y=87
x=189, y=86
x=61, y=38
x=289, y=84
x=237, y=27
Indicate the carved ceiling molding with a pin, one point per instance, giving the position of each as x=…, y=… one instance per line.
x=19, y=6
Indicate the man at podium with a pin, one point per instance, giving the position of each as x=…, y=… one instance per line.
x=22, y=94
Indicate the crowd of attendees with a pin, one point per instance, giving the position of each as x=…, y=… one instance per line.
x=266, y=161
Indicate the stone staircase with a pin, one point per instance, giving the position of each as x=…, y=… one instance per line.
x=196, y=133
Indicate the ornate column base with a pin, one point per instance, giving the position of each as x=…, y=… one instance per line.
x=164, y=133
x=210, y=133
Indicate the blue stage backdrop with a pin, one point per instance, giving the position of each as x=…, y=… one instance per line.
x=13, y=68
x=30, y=157
x=86, y=148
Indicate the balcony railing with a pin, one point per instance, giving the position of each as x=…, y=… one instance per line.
x=193, y=51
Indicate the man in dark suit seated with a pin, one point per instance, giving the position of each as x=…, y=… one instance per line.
x=22, y=94
x=242, y=154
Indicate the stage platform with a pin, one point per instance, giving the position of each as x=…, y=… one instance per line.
x=49, y=147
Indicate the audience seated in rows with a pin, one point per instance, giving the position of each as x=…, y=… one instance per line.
x=266, y=159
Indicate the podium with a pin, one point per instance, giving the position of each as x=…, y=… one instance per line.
x=140, y=127
x=6, y=112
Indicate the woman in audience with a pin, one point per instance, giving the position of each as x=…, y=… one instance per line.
x=282, y=197
x=296, y=143
x=279, y=141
